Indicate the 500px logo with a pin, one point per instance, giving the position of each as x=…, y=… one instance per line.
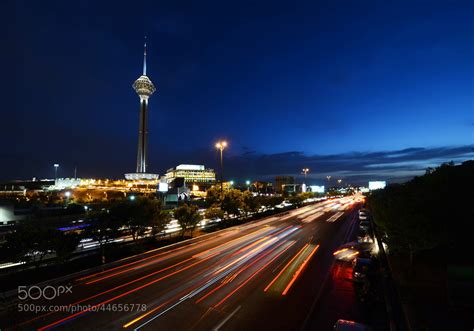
x=47, y=292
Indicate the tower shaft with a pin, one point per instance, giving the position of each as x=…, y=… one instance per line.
x=142, y=136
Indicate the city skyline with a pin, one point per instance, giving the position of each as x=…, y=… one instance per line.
x=247, y=165
x=326, y=98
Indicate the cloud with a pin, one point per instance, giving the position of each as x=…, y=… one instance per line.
x=354, y=167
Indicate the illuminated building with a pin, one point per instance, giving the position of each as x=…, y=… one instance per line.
x=280, y=181
x=144, y=88
x=195, y=176
x=262, y=187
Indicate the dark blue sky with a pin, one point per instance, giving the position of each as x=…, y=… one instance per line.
x=289, y=84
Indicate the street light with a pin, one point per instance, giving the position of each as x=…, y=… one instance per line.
x=305, y=172
x=56, y=166
x=221, y=145
x=132, y=197
x=247, y=182
x=328, y=177
x=339, y=181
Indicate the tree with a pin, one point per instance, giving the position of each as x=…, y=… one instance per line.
x=213, y=196
x=251, y=203
x=188, y=217
x=64, y=245
x=416, y=216
x=31, y=242
x=214, y=212
x=232, y=202
x=296, y=199
x=159, y=221
x=103, y=229
x=139, y=215
x=274, y=200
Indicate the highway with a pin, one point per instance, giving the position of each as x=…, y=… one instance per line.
x=260, y=275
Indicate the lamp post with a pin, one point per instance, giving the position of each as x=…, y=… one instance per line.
x=221, y=145
x=247, y=182
x=56, y=166
x=329, y=179
x=339, y=181
x=305, y=172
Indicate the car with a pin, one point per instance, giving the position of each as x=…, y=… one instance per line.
x=345, y=325
x=363, y=217
x=363, y=214
x=364, y=225
x=364, y=237
x=362, y=269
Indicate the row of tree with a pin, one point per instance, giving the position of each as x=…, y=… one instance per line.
x=141, y=217
x=428, y=212
x=32, y=242
x=224, y=204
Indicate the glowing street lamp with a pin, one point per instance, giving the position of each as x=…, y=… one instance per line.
x=221, y=145
x=305, y=172
x=56, y=166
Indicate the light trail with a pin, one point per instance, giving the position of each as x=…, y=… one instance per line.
x=284, y=268
x=300, y=269
x=196, y=291
x=253, y=275
x=335, y=217
x=75, y=315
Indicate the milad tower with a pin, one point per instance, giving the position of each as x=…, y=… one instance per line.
x=144, y=88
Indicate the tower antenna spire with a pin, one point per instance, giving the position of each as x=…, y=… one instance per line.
x=144, y=58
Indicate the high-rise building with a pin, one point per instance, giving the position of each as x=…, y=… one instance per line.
x=144, y=88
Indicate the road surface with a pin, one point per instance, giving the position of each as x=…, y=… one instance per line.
x=261, y=275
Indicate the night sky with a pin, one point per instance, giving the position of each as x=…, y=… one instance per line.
x=354, y=89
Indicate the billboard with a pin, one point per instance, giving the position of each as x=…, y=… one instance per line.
x=377, y=185
x=317, y=189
